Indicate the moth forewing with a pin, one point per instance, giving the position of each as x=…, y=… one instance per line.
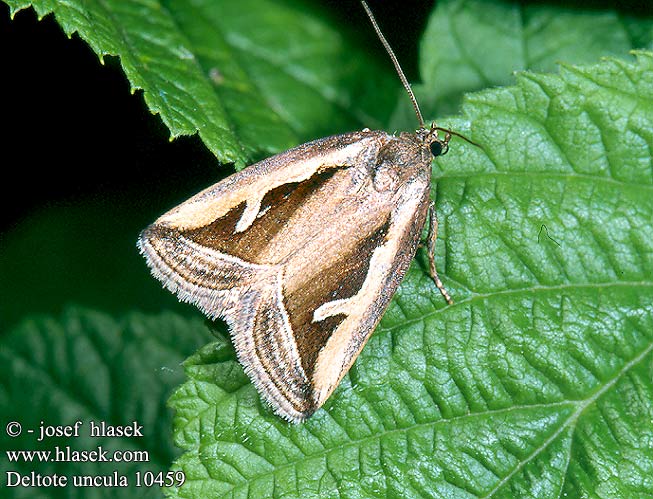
x=302, y=252
x=387, y=267
x=304, y=280
x=251, y=184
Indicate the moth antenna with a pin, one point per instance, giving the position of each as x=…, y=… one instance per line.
x=395, y=61
x=451, y=132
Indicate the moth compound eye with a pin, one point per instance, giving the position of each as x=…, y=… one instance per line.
x=438, y=148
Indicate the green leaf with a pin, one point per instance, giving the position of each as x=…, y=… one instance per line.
x=538, y=381
x=62, y=255
x=252, y=77
x=89, y=367
x=469, y=45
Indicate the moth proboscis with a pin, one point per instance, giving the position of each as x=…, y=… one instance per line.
x=301, y=253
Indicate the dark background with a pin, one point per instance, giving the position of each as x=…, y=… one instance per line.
x=85, y=165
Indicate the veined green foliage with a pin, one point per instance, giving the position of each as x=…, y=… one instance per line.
x=537, y=383
x=252, y=77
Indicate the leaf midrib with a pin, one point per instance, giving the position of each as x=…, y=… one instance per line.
x=357, y=442
x=563, y=176
x=569, y=422
x=573, y=418
x=580, y=404
x=518, y=291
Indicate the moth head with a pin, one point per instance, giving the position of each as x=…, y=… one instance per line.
x=429, y=137
x=438, y=146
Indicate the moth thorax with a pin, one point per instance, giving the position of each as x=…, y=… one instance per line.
x=398, y=161
x=385, y=177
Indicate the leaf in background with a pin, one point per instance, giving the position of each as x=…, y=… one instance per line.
x=469, y=45
x=63, y=256
x=90, y=367
x=269, y=73
x=252, y=77
x=537, y=382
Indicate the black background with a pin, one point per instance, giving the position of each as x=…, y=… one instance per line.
x=72, y=128
x=79, y=149
x=76, y=144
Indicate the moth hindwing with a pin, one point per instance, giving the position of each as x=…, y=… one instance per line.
x=300, y=254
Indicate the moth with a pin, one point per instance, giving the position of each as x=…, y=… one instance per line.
x=301, y=253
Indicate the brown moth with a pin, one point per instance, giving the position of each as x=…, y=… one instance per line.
x=301, y=253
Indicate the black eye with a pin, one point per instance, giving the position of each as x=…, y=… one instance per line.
x=438, y=148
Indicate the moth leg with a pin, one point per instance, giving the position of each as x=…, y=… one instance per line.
x=432, y=237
